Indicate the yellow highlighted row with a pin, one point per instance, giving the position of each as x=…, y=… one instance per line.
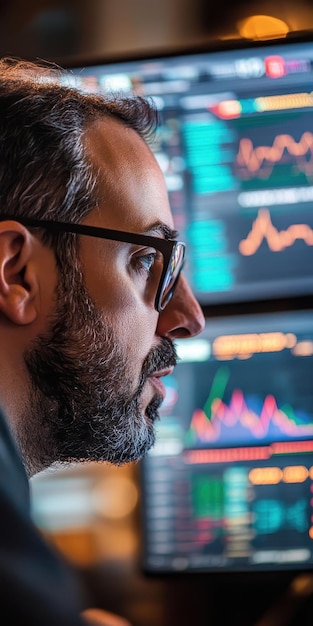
x=275, y=475
x=251, y=343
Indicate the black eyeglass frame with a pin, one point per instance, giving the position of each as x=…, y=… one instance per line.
x=167, y=247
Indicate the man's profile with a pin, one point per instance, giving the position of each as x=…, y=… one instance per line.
x=92, y=296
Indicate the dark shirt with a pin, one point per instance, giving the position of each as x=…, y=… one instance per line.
x=36, y=586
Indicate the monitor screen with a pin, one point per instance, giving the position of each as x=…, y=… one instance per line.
x=236, y=147
x=228, y=485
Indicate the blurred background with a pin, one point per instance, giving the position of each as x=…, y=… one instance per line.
x=92, y=512
x=52, y=29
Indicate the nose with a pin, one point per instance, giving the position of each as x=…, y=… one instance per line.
x=183, y=316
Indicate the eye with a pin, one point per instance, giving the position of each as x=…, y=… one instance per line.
x=144, y=260
x=148, y=263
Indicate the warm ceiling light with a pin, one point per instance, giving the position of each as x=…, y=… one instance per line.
x=262, y=27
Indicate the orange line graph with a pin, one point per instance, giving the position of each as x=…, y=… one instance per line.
x=261, y=160
x=263, y=229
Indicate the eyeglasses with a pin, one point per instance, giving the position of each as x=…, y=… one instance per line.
x=173, y=252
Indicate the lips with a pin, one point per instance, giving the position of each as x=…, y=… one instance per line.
x=155, y=380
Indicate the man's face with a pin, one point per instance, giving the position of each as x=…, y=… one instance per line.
x=96, y=372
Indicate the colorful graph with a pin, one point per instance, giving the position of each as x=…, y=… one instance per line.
x=244, y=420
x=260, y=161
x=263, y=230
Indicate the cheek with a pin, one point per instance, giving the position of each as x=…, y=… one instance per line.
x=120, y=304
x=134, y=329
x=133, y=322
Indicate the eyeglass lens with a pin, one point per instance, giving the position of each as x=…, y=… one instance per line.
x=174, y=268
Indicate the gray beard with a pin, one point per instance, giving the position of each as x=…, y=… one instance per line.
x=82, y=406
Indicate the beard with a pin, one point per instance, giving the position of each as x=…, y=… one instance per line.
x=82, y=404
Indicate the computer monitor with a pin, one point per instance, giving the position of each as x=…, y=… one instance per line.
x=236, y=147
x=229, y=483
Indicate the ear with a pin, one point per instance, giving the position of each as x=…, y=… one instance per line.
x=18, y=278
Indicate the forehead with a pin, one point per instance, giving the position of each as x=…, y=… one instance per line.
x=131, y=187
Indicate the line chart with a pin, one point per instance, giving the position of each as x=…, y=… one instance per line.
x=260, y=419
x=263, y=229
x=260, y=161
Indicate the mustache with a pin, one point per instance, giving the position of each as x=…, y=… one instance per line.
x=159, y=358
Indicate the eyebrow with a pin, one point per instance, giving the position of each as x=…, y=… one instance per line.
x=163, y=229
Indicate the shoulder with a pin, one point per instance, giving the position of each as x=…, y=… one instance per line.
x=47, y=589
x=13, y=479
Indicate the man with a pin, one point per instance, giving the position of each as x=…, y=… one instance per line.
x=91, y=291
